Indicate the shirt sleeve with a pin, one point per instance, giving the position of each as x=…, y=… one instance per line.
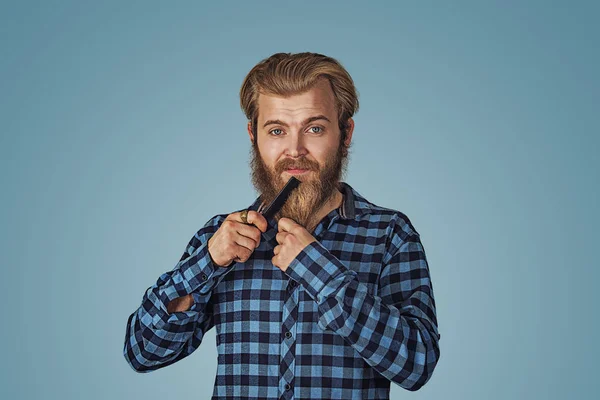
x=396, y=331
x=154, y=338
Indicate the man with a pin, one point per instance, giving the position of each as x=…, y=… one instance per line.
x=331, y=298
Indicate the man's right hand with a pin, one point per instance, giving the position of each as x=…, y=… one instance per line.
x=235, y=240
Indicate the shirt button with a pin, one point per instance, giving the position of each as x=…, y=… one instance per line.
x=287, y=386
x=204, y=277
x=288, y=335
x=291, y=286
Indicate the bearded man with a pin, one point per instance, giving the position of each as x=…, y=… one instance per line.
x=331, y=298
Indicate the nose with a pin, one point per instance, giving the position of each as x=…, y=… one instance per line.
x=295, y=146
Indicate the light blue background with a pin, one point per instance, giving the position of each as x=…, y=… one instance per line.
x=122, y=135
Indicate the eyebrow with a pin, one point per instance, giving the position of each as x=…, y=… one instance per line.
x=306, y=121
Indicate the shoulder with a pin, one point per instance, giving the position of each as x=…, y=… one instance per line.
x=395, y=225
x=396, y=222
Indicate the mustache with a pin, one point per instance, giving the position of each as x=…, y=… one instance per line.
x=301, y=163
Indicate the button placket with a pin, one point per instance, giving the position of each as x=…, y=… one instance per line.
x=288, y=341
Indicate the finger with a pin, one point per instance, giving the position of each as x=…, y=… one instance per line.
x=280, y=237
x=285, y=224
x=257, y=219
x=234, y=217
x=237, y=216
x=276, y=250
x=246, y=242
x=249, y=231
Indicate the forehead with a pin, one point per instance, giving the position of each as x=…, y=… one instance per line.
x=318, y=99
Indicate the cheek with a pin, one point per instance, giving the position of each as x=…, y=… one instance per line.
x=270, y=154
x=322, y=153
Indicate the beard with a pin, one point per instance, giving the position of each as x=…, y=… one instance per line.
x=306, y=200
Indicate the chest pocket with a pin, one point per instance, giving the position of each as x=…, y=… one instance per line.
x=367, y=273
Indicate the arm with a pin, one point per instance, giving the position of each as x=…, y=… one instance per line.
x=396, y=333
x=154, y=337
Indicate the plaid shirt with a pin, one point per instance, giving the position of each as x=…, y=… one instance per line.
x=353, y=311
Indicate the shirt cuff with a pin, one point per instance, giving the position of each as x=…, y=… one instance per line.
x=319, y=272
x=177, y=318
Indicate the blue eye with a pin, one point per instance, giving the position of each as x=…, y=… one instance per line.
x=317, y=127
x=274, y=131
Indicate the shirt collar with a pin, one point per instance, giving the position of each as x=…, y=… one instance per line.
x=353, y=204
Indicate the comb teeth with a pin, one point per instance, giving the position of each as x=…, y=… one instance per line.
x=281, y=197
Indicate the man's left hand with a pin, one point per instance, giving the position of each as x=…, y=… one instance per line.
x=292, y=239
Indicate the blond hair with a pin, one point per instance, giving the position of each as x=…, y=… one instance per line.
x=286, y=74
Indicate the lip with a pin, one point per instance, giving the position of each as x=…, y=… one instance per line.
x=296, y=171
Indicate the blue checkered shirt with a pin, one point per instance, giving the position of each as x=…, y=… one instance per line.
x=353, y=312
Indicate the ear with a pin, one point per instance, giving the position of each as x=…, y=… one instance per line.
x=249, y=127
x=349, y=130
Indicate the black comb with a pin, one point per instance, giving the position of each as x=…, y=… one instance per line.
x=281, y=197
